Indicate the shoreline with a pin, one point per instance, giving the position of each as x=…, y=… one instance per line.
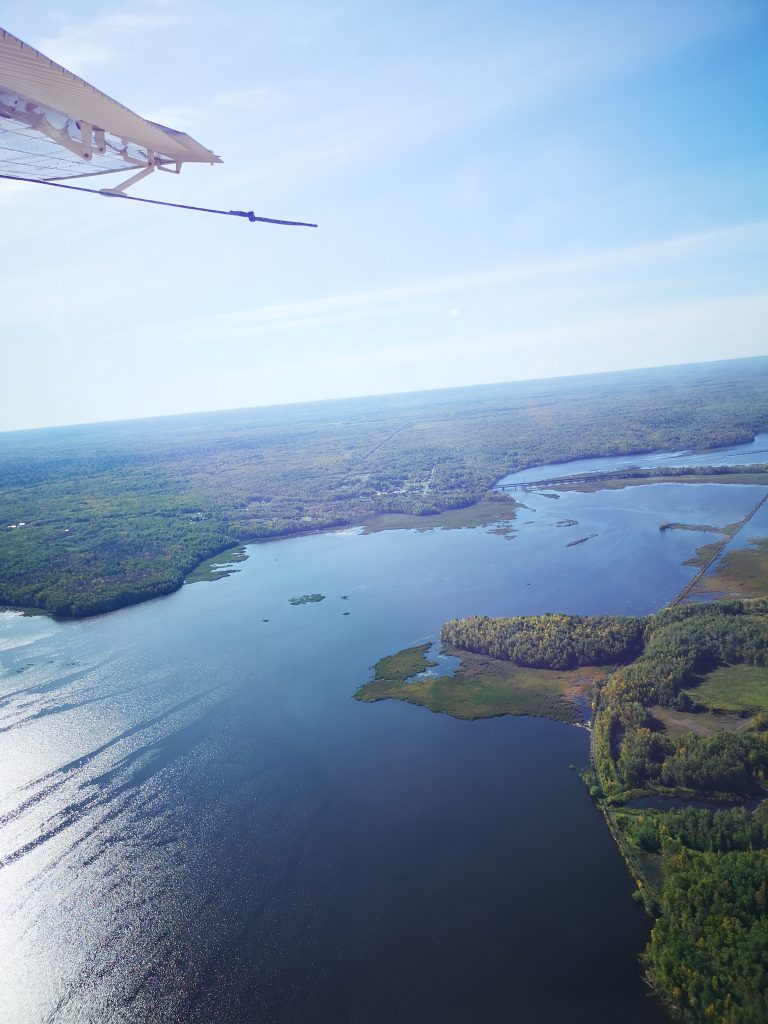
x=475, y=514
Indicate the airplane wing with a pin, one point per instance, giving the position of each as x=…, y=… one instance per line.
x=55, y=126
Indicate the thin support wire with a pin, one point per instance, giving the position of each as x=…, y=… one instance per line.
x=248, y=214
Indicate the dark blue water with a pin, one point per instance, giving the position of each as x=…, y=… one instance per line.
x=200, y=824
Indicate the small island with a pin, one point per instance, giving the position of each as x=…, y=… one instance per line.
x=581, y=540
x=307, y=599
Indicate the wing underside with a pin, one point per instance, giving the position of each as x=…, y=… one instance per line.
x=55, y=126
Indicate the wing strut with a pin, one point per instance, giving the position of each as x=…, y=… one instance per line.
x=248, y=214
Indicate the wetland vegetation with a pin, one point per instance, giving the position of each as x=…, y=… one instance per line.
x=120, y=512
x=727, y=530
x=218, y=567
x=500, y=509
x=481, y=686
x=740, y=573
x=681, y=701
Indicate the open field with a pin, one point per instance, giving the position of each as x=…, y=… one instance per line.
x=734, y=688
x=481, y=687
x=702, y=723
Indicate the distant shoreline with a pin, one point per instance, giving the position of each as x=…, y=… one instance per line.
x=481, y=513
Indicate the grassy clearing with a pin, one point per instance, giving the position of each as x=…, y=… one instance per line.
x=484, y=513
x=702, y=723
x=218, y=567
x=742, y=573
x=738, y=688
x=482, y=687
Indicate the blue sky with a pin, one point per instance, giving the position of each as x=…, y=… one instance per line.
x=504, y=191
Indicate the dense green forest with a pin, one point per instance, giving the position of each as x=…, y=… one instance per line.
x=707, y=953
x=663, y=656
x=549, y=641
x=115, y=513
x=703, y=873
x=681, y=644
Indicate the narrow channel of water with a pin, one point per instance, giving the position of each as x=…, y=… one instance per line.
x=748, y=454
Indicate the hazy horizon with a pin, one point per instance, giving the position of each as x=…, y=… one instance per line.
x=383, y=394
x=503, y=192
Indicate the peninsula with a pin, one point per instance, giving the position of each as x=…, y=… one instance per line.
x=117, y=513
x=680, y=702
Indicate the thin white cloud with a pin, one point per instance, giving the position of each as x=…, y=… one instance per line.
x=431, y=94
x=257, y=101
x=345, y=307
x=636, y=338
x=80, y=46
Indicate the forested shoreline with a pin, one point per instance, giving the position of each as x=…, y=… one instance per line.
x=549, y=641
x=701, y=872
x=94, y=518
x=118, y=513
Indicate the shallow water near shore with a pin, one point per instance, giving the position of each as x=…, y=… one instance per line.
x=198, y=823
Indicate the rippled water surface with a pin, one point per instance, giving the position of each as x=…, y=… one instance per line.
x=198, y=823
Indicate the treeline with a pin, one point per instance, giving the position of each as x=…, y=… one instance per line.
x=644, y=473
x=680, y=644
x=708, y=954
x=85, y=492
x=726, y=763
x=673, y=471
x=701, y=829
x=71, y=571
x=549, y=641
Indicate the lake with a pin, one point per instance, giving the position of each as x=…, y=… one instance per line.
x=199, y=823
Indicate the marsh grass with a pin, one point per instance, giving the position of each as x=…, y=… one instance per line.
x=481, y=687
